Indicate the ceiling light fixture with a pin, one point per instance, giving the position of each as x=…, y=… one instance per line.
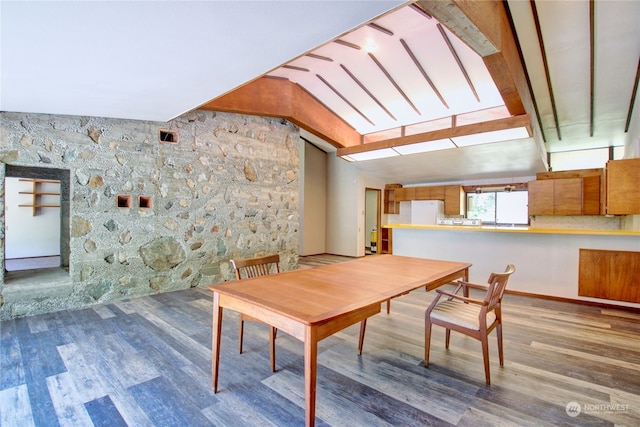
x=370, y=45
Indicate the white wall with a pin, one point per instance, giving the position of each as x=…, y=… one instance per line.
x=632, y=144
x=27, y=235
x=346, y=187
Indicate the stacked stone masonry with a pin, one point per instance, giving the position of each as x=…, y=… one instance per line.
x=228, y=189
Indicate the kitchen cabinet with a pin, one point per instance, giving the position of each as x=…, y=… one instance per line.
x=404, y=194
x=386, y=246
x=541, y=197
x=565, y=196
x=391, y=205
x=454, y=200
x=434, y=192
x=609, y=274
x=623, y=187
x=452, y=195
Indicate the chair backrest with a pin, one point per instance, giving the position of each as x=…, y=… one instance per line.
x=254, y=267
x=497, y=284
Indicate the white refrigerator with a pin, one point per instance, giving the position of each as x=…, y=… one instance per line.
x=422, y=212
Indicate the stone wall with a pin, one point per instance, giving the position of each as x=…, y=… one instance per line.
x=229, y=188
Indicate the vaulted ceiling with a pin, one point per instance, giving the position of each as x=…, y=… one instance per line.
x=365, y=77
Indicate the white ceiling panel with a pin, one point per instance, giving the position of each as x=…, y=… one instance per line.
x=155, y=60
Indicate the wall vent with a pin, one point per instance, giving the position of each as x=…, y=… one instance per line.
x=145, y=202
x=168, y=136
x=123, y=201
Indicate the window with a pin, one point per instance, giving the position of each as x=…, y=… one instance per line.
x=499, y=207
x=584, y=159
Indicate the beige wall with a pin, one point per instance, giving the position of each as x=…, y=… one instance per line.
x=314, y=201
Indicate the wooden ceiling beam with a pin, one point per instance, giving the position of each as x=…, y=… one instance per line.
x=484, y=26
x=471, y=129
x=273, y=97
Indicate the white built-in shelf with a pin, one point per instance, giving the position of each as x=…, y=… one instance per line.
x=37, y=195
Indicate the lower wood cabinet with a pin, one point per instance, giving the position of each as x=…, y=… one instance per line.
x=609, y=274
x=386, y=246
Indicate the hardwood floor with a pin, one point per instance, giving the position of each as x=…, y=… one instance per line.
x=146, y=361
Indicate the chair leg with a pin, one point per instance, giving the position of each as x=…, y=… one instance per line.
x=485, y=357
x=500, y=347
x=447, y=338
x=272, y=347
x=427, y=340
x=363, y=327
x=240, y=334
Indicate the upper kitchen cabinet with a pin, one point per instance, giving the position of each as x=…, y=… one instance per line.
x=452, y=195
x=391, y=204
x=454, y=200
x=623, y=187
x=404, y=194
x=541, y=197
x=565, y=193
x=434, y=192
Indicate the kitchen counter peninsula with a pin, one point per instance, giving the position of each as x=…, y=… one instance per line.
x=547, y=260
x=515, y=229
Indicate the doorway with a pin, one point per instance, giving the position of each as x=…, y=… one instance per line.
x=36, y=218
x=372, y=214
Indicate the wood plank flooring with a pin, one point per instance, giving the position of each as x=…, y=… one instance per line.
x=146, y=362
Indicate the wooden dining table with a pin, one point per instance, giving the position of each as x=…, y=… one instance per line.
x=312, y=304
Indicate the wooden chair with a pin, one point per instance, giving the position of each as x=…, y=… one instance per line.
x=363, y=328
x=254, y=267
x=472, y=317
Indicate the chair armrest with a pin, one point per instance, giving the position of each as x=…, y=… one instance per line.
x=460, y=297
x=472, y=285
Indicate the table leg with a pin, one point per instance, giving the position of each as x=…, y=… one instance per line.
x=215, y=341
x=310, y=372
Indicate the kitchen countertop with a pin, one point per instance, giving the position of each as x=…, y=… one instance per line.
x=516, y=229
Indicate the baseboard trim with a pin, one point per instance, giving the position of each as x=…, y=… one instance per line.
x=572, y=300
